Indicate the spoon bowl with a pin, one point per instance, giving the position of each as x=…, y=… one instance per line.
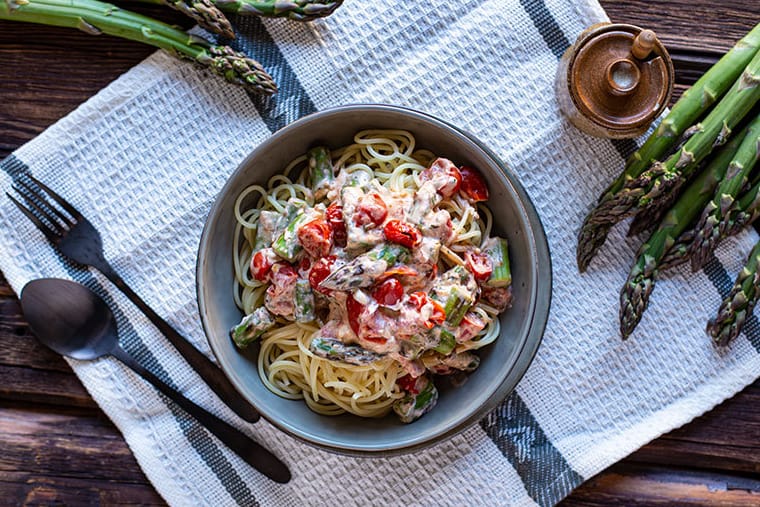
x=87, y=333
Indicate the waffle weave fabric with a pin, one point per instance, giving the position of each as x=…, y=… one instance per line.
x=145, y=157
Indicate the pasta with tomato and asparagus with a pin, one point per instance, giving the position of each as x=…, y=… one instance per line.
x=366, y=273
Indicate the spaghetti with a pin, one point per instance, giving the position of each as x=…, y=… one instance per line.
x=366, y=271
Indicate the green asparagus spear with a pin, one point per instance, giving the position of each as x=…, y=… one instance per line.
x=364, y=269
x=657, y=182
x=744, y=211
x=204, y=12
x=336, y=350
x=739, y=304
x=458, y=303
x=681, y=249
x=252, y=327
x=713, y=223
x=497, y=250
x=321, y=171
x=634, y=296
x=267, y=225
x=690, y=107
x=304, y=301
x=287, y=245
x=447, y=341
x=95, y=18
x=297, y=10
x=413, y=406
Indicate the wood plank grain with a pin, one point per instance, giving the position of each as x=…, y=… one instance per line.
x=72, y=457
x=643, y=486
x=700, y=26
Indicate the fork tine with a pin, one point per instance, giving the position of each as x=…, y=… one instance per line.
x=60, y=200
x=52, y=236
x=41, y=206
x=41, y=199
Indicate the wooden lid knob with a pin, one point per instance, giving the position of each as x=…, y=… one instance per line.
x=643, y=44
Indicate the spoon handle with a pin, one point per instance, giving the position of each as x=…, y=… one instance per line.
x=248, y=449
x=208, y=371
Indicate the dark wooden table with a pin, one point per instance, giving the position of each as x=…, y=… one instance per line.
x=58, y=448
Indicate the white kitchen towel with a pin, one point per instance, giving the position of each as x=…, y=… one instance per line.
x=145, y=157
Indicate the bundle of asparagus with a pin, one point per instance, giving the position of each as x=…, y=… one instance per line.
x=95, y=18
x=693, y=182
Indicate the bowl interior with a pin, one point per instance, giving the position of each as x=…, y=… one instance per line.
x=502, y=363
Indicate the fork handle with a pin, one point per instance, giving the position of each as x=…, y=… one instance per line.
x=251, y=451
x=207, y=370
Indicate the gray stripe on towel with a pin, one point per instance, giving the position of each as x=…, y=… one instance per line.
x=547, y=476
x=291, y=101
x=198, y=437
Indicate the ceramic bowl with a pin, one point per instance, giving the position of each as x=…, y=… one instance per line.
x=503, y=363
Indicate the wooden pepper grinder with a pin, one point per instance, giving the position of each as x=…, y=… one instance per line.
x=614, y=81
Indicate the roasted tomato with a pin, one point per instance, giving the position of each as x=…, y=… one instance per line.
x=354, y=309
x=389, y=292
x=473, y=185
x=261, y=264
x=399, y=270
x=445, y=176
x=437, y=312
x=480, y=265
x=319, y=271
x=402, y=233
x=371, y=210
x=316, y=238
x=470, y=326
x=334, y=216
x=438, y=316
x=407, y=383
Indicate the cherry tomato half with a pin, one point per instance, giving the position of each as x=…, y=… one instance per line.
x=437, y=316
x=480, y=265
x=319, y=271
x=371, y=210
x=316, y=238
x=334, y=216
x=407, y=383
x=354, y=309
x=444, y=175
x=402, y=233
x=261, y=265
x=473, y=185
x=389, y=292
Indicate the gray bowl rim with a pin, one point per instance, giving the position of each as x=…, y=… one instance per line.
x=541, y=298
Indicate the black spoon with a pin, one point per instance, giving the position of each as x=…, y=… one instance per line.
x=74, y=321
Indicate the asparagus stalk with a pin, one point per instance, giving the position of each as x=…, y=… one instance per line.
x=204, y=12
x=335, y=350
x=95, y=17
x=634, y=296
x=297, y=10
x=321, y=171
x=745, y=211
x=680, y=252
x=689, y=108
x=739, y=304
x=713, y=223
x=656, y=183
x=252, y=327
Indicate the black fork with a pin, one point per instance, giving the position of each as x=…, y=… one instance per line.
x=76, y=238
